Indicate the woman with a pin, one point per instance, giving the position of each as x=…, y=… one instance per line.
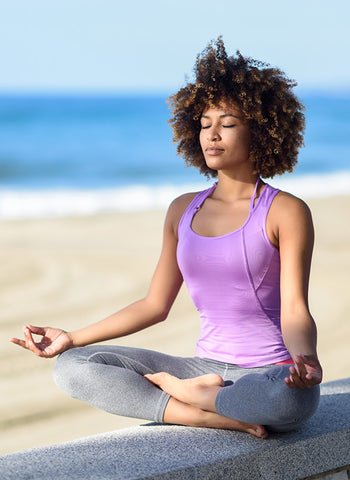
x=244, y=250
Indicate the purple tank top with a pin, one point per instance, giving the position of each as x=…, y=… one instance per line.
x=234, y=282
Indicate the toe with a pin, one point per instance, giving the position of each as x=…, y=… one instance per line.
x=256, y=430
x=156, y=378
x=259, y=431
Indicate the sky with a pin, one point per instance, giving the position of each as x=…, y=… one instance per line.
x=151, y=46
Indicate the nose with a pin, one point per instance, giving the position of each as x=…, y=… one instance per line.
x=213, y=134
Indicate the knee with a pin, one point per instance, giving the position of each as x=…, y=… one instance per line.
x=293, y=406
x=304, y=402
x=66, y=371
x=299, y=407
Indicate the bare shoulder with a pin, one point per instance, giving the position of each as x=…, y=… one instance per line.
x=286, y=206
x=289, y=217
x=177, y=209
x=183, y=201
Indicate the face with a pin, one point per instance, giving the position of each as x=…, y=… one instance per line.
x=224, y=138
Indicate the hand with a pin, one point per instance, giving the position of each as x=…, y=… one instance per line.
x=306, y=372
x=53, y=341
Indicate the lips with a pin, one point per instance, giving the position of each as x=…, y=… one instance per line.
x=214, y=151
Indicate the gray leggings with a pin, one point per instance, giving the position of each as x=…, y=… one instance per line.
x=111, y=378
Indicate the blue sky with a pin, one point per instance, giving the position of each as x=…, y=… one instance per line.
x=139, y=45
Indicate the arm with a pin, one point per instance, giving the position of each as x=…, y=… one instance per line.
x=293, y=231
x=154, y=308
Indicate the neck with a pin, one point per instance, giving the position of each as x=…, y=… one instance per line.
x=231, y=188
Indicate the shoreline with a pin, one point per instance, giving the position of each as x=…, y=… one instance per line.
x=69, y=272
x=41, y=203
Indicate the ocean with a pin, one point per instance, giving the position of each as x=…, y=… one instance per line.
x=85, y=154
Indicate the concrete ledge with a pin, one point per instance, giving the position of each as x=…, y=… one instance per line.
x=169, y=452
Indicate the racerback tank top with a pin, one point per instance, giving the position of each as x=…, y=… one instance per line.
x=234, y=282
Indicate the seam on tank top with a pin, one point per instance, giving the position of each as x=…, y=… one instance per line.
x=272, y=248
x=264, y=275
x=249, y=275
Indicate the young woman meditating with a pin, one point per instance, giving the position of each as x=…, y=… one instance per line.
x=244, y=250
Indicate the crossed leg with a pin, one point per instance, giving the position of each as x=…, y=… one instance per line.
x=113, y=379
x=192, y=403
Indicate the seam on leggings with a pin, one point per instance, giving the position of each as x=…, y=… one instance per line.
x=225, y=371
x=161, y=405
x=95, y=354
x=121, y=357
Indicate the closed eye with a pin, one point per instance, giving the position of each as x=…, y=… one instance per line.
x=204, y=127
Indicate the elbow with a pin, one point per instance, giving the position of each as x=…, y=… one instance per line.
x=157, y=312
x=162, y=317
x=162, y=314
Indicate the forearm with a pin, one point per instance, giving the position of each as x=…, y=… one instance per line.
x=299, y=334
x=300, y=337
x=131, y=319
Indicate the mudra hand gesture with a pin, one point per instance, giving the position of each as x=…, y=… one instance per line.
x=53, y=341
x=305, y=373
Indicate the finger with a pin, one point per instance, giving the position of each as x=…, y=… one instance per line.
x=313, y=379
x=310, y=382
x=304, y=374
x=300, y=366
x=307, y=381
x=48, y=352
x=37, y=330
x=311, y=372
x=31, y=344
x=293, y=382
x=295, y=377
x=289, y=382
x=18, y=341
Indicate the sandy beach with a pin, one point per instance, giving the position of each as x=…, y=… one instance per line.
x=69, y=272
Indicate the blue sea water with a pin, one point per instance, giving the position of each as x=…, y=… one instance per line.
x=66, y=154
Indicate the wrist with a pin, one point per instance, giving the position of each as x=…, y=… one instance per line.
x=73, y=341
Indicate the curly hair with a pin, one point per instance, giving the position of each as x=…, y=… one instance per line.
x=263, y=95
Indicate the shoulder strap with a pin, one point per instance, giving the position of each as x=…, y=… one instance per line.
x=194, y=206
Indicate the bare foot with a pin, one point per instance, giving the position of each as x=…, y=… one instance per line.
x=193, y=403
x=200, y=392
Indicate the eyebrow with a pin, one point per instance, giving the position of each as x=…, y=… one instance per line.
x=223, y=116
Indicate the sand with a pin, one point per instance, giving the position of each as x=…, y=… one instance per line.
x=70, y=272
